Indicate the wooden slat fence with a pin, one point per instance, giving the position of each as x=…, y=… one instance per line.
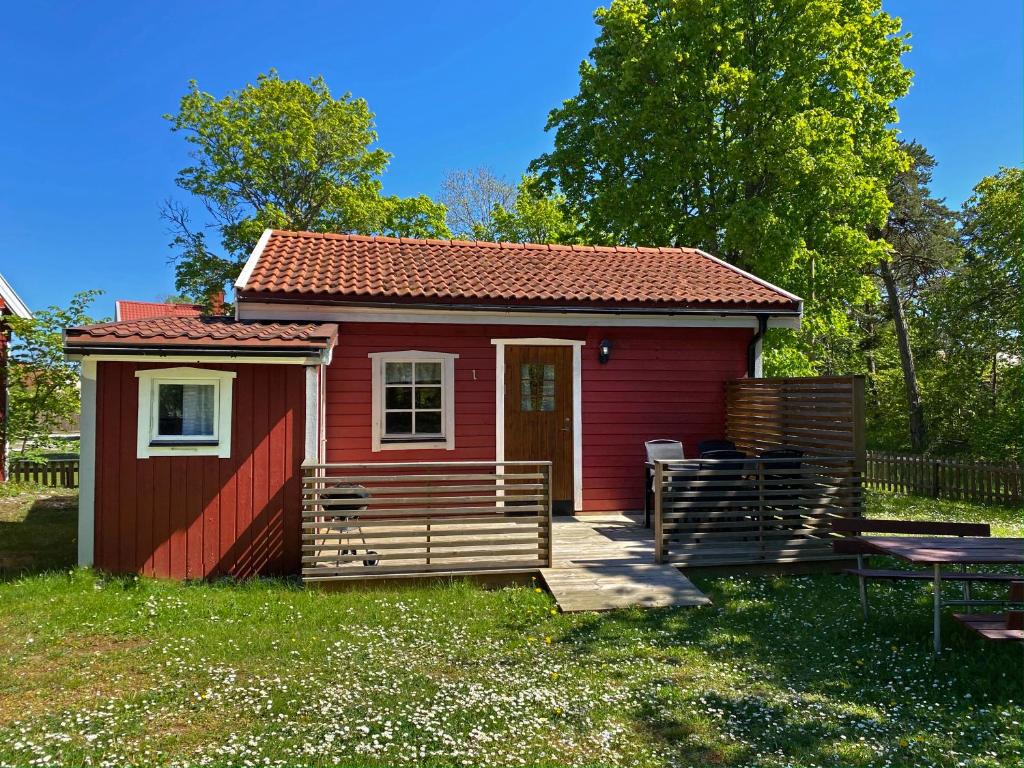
x=945, y=478
x=54, y=472
x=736, y=512
x=409, y=518
x=822, y=416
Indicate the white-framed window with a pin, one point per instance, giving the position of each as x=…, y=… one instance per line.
x=413, y=400
x=184, y=411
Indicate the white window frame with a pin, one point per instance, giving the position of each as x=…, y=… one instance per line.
x=447, y=360
x=150, y=443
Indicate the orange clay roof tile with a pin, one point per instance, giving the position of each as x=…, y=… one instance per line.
x=340, y=268
x=203, y=333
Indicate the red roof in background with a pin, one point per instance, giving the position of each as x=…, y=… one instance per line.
x=355, y=267
x=207, y=333
x=137, y=310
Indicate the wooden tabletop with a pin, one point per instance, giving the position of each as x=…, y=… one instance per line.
x=947, y=549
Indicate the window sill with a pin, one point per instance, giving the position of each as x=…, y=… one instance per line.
x=176, y=443
x=439, y=444
x=183, y=449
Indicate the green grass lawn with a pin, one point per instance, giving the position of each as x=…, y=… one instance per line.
x=781, y=671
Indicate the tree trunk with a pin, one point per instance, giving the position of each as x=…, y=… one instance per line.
x=915, y=412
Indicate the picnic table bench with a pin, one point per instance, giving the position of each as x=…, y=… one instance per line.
x=937, y=544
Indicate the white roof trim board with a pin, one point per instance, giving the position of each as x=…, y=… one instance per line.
x=250, y=263
x=12, y=300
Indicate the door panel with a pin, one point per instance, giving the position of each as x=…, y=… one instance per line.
x=538, y=412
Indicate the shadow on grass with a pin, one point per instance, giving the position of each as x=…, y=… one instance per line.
x=774, y=649
x=37, y=534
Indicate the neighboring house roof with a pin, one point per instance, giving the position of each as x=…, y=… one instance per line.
x=306, y=266
x=138, y=310
x=207, y=334
x=10, y=302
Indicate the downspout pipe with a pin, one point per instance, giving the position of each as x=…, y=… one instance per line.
x=762, y=326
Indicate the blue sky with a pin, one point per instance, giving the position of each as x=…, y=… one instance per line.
x=87, y=159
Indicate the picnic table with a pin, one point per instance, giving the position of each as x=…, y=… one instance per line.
x=938, y=551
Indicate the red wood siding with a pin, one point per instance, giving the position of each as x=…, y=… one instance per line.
x=201, y=516
x=659, y=383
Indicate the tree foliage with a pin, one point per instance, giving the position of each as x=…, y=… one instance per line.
x=488, y=208
x=973, y=320
x=43, y=388
x=760, y=131
x=281, y=154
x=922, y=241
x=470, y=198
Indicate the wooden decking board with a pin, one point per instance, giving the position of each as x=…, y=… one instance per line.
x=606, y=562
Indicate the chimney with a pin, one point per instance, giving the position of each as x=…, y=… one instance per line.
x=216, y=303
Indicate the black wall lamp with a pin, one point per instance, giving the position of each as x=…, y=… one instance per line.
x=604, y=351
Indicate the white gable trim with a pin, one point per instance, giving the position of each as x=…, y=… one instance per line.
x=13, y=300
x=250, y=263
x=755, y=278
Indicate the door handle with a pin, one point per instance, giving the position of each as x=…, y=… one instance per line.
x=568, y=425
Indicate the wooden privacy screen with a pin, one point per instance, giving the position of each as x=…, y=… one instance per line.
x=363, y=521
x=822, y=416
x=732, y=512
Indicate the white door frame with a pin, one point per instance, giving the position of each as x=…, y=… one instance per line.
x=577, y=404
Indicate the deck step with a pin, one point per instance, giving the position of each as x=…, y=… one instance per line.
x=601, y=587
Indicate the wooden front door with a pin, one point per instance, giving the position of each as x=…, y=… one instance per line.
x=538, y=413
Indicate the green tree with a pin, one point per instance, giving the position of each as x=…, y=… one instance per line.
x=535, y=216
x=281, y=154
x=482, y=206
x=760, y=131
x=922, y=241
x=43, y=393
x=470, y=198
x=975, y=393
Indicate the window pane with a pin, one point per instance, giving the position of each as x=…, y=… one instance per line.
x=428, y=422
x=537, y=387
x=169, y=409
x=398, y=423
x=398, y=373
x=428, y=397
x=428, y=373
x=185, y=409
x=197, y=409
x=398, y=397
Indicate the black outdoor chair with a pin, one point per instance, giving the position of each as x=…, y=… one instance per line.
x=657, y=450
x=718, y=456
x=715, y=445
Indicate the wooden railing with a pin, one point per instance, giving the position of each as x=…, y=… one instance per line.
x=54, y=472
x=747, y=511
x=945, y=478
x=409, y=518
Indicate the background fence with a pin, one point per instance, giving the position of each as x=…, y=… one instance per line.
x=944, y=478
x=55, y=472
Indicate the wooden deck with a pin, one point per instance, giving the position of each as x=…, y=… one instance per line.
x=604, y=562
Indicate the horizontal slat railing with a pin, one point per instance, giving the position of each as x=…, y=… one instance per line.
x=945, y=478
x=820, y=415
x=53, y=473
x=734, y=512
x=407, y=518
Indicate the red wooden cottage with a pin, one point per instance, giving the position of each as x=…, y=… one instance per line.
x=347, y=348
